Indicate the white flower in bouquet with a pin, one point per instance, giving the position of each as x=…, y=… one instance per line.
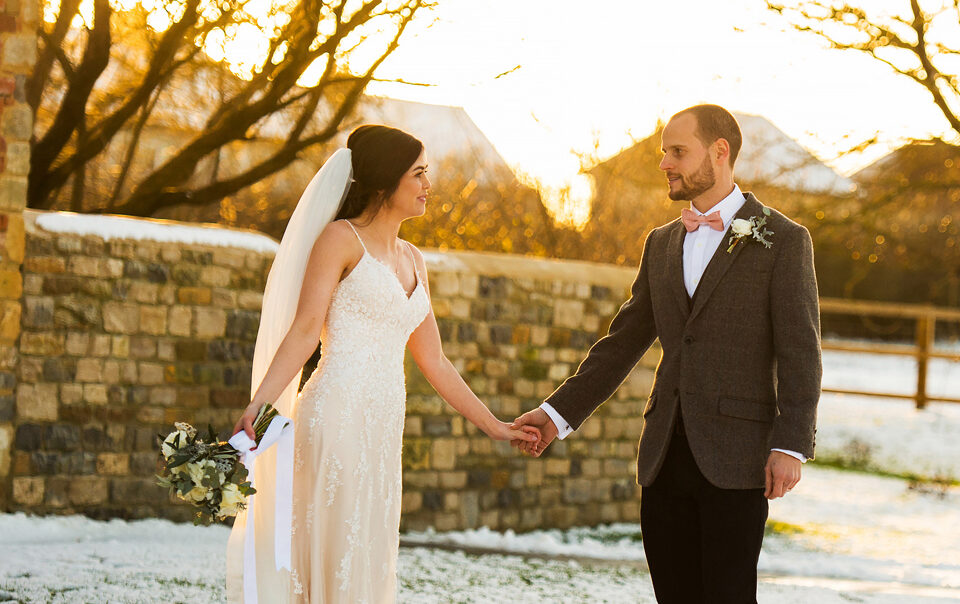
x=179, y=437
x=197, y=494
x=231, y=501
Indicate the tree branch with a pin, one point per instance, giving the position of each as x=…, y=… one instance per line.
x=73, y=106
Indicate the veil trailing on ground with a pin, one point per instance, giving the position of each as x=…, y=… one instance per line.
x=318, y=206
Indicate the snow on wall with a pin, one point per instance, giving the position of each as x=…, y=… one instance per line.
x=123, y=227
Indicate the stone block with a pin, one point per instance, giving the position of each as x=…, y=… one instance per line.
x=89, y=370
x=121, y=318
x=9, y=321
x=215, y=276
x=84, y=266
x=145, y=293
x=88, y=490
x=19, y=51
x=77, y=343
x=113, y=464
x=59, y=369
x=11, y=283
x=411, y=502
x=6, y=446
x=37, y=402
x=224, y=298
x=197, y=296
x=413, y=426
x=62, y=437
x=242, y=325
x=151, y=374
x=153, y=320
x=71, y=394
x=443, y=454
x=16, y=124
x=558, y=467
x=248, y=300
x=112, y=268
x=180, y=320
x=44, y=264
x=28, y=491
x=416, y=454
x=143, y=348
x=166, y=350
x=209, y=323
x=445, y=285
x=95, y=394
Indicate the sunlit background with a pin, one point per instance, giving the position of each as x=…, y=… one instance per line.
x=586, y=73
x=550, y=81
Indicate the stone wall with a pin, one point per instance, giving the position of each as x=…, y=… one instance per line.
x=18, y=53
x=121, y=337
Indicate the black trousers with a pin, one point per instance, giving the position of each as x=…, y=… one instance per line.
x=702, y=542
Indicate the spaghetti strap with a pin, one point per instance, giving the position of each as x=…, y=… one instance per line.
x=354, y=229
x=416, y=271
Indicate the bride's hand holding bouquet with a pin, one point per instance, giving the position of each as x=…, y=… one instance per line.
x=208, y=473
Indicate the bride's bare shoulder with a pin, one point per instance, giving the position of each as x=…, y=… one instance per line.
x=338, y=234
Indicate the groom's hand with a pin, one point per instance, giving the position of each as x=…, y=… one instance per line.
x=539, y=419
x=782, y=474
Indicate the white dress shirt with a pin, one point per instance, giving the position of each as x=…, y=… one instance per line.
x=699, y=247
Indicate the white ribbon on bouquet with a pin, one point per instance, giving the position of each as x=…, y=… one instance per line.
x=276, y=434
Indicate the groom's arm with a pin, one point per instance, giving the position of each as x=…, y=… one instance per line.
x=795, y=317
x=610, y=360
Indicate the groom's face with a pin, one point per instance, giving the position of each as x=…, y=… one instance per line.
x=686, y=160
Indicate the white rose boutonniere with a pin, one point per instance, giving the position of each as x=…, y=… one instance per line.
x=753, y=227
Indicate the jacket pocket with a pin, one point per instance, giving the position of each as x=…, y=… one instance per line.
x=749, y=410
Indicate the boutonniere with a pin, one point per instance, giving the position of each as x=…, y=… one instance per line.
x=754, y=227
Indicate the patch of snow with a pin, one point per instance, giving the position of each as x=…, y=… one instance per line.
x=890, y=434
x=123, y=227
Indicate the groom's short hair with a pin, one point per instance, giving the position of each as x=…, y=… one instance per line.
x=713, y=122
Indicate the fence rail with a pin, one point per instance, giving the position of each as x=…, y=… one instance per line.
x=923, y=349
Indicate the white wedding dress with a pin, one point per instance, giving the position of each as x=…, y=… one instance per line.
x=349, y=423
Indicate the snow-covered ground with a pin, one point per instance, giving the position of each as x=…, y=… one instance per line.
x=840, y=536
x=889, y=434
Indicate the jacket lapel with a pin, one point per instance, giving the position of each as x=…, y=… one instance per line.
x=721, y=260
x=675, y=266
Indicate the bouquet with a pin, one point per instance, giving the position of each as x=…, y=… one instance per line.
x=207, y=472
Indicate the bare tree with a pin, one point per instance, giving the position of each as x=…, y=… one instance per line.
x=917, y=43
x=100, y=84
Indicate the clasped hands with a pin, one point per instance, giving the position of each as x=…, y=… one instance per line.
x=781, y=473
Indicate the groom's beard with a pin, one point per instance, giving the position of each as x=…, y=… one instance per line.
x=696, y=184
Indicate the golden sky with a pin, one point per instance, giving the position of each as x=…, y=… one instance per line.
x=605, y=70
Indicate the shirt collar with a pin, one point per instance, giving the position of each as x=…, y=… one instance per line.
x=728, y=206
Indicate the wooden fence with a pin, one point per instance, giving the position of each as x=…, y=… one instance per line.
x=924, y=347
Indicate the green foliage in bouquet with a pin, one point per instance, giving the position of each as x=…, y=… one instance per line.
x=207, y=472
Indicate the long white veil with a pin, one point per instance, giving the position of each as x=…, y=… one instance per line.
x=318, y=206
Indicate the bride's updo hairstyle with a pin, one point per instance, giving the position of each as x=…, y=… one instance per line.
x=381, y=156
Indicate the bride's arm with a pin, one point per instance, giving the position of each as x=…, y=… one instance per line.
x=427, y=351
x=334, y=253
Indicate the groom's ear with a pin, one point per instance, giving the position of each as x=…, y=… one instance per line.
x=721, y=149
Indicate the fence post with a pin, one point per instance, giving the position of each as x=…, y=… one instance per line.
x=926, y=330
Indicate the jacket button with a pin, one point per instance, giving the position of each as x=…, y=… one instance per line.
x=676, y=392
x=688, y=339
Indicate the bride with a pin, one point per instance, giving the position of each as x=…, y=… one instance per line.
x=365, y=295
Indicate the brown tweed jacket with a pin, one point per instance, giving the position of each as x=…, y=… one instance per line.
x=741, y=361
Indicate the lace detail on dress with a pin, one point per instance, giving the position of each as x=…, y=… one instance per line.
x=349, y=420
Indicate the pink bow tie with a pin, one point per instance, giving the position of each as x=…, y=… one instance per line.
x=692, y=221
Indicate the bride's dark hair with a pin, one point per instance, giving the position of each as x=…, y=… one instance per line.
x=380, y=156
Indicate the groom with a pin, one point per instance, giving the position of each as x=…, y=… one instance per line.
x=731, y=416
